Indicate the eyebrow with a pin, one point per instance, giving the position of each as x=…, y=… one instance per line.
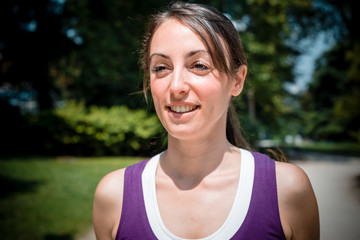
x=189, y=54
x=160, y=55
x=192, y=53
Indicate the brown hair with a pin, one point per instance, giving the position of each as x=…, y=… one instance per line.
x=220, y=38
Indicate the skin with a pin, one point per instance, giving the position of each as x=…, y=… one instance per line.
x=197, y=177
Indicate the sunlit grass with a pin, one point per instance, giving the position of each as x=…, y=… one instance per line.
x=50, y=198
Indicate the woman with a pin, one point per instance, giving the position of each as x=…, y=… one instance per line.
x=203, y=186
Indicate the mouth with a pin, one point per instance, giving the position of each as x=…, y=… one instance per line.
x=183, y=108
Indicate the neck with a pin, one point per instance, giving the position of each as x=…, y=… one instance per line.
x=188, y=162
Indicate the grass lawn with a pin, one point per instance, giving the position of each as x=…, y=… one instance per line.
x=50, y=198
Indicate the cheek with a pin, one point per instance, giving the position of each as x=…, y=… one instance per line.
x=154, y=89
x=214, y=92
x=157, y=93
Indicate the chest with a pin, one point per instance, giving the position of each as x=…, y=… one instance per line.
x=254, y=213
x=197, y=212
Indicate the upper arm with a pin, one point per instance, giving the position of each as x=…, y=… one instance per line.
x=108, y=204
x=297, y=203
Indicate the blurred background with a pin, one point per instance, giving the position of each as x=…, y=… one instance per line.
x=71, y=110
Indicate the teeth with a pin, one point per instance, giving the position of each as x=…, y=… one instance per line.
x=182, y=109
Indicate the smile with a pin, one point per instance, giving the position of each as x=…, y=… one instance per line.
x=183, y=109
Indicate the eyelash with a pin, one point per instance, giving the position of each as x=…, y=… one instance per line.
x=201, y=66
x=159, y=68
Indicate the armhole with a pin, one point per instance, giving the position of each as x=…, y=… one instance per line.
x=119, y=222
x=132, y=194
x=277, y=203
x=266, y=168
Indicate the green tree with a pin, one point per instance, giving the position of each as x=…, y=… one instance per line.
x=332, y=101
x=31, y=37
x=103, y=69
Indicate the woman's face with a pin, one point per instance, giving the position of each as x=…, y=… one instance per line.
x=191, y=97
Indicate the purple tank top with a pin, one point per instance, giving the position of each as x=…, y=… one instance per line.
x=261, y=222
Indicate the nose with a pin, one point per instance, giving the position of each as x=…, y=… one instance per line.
x=179, y=85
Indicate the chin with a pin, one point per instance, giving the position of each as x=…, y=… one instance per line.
x=184, y=134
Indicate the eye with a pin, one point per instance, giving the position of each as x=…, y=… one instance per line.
x=200, y=68
x=160, y=70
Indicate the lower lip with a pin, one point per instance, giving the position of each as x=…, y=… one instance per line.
x=182, y=115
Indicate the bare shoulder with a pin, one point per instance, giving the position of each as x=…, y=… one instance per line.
x=297, y=202
x=108, y=204
x=111, y=185
x=292, y=180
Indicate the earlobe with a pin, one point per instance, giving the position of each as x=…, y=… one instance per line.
x=239, y=81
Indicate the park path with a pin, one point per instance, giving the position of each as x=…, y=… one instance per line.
x=336, y=182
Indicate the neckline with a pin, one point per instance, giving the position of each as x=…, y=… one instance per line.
x=233, y=221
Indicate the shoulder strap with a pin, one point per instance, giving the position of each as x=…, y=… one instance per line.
x=263, y=218
x=133, y=222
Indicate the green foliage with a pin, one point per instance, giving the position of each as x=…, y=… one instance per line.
x=331, y=147
x=114, y=130
x=51, y=198
x=79, y=130
x=270, y=62
x=332, y=102
x=104, y=69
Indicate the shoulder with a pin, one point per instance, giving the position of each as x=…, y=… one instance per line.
x=108, y=204
x=293, y=184
x=292, y=179
x=297, y=202
x=111, y=186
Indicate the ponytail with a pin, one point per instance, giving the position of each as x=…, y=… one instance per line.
x=234, y=136
x=233, y=130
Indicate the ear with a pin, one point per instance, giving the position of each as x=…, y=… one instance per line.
x=239, y=80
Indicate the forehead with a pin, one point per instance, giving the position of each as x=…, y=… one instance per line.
x=175, y=35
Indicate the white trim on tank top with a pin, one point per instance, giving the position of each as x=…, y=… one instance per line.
x=237, y=213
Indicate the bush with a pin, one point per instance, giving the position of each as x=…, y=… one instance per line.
x=79, y=130
x=99, y=130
